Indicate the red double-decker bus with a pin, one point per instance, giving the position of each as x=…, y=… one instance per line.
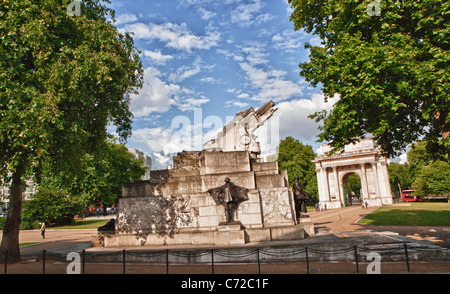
x=406, y=196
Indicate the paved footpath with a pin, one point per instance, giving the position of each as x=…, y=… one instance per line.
x=335, y=223
x=340, y=222
x=343, y=221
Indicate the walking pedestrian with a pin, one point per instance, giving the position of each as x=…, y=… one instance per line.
x=43, y=230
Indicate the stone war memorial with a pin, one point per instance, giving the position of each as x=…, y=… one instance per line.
x=361, y=158
x=222, y=195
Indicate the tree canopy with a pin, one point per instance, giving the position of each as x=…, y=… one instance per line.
x=100, y=175
x=389, y=70
x=296, y=158
x=63, y=79
x=423, y=172
x=51, y=206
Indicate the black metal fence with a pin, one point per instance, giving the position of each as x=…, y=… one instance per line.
x=400, y=253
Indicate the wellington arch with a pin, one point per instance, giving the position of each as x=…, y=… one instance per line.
x=361, y=158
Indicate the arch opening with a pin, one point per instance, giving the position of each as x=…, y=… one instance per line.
x=352, y=185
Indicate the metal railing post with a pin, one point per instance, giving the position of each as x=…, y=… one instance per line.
x=83, y=256
x=259, y=262
x=307, y=260
x=212, y=261
x=124, y=253
x=43, y=261
x=167, y=261
x=6, y=261
x=407, y=258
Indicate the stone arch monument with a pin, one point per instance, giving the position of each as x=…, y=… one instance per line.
x=361, y=158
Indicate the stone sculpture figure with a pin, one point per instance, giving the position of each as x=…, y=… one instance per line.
x=300, y=197
x=230, y=196
x=238, y=134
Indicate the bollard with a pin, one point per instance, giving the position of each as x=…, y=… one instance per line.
x=356, y=259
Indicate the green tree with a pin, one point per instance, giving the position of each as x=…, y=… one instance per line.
x=51, y=207
x=420, y=156
x=433, y=179
x=100, y=177
x=354, y=184
x=399, y=177
x=296, y=158
x=390, y=71
x=62, y=81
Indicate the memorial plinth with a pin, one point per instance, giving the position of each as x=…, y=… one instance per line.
x=208, y=197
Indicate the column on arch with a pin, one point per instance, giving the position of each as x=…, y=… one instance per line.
x=365, y=188
x=377, y=183
x=338, y=185
x=327, y=184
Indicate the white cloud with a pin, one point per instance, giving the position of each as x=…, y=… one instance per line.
x=155, y=95
x=210, y=80
x=183, y=134
x=289, y=40
x=157, y=57
x=158, y=95
x=126, y=18
x=206, y=14
x=159, y=142
x=246, y=15
x=294, y=119
x=174, y=35
x=191, y=102
x=270, y=83
x=228, y=54
x=236, y=103
x=185, y=72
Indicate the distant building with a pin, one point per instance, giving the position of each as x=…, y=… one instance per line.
x=5, y=191
x=146, y=159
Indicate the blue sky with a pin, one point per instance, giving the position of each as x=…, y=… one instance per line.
x=205, y=61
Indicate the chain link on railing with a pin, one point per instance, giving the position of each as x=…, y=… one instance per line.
x=272, y=255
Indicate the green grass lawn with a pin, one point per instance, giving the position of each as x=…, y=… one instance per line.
x=83, y=224
x=27, y=243
x=418, y=214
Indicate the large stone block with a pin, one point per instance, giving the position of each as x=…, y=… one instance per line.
x=137, y=189
x=227, y=162
x=265, y=166
x=270, y=180
x=287, y=233
x=229, y=237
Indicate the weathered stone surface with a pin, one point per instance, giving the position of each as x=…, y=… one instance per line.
x=175, y=206
x=361, y=158
x=238, y=135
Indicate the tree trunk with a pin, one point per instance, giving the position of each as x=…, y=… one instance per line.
x=10, y=240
